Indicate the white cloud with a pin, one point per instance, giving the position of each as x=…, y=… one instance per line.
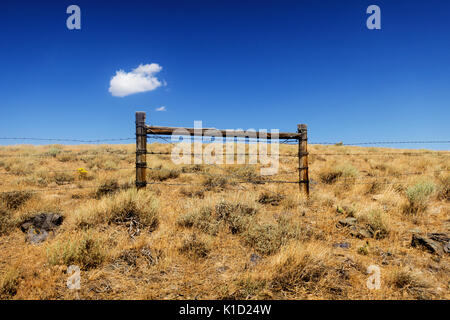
x=140, y=79
x=162, y=108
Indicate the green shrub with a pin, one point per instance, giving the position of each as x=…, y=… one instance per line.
x=85, y=251
x=418, y=196
x=376, y=222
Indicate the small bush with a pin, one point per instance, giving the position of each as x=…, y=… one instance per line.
x=6, y=220
x=376, y=222
x=192, y=169
x=163, y=174
x=63, y=178
x=211, y=183
x=192, y=192
x=270, y=198
x=108, y=187
x=418, y=196
x=65, y=157
x=235, y=215
x=246, y=173
x=128, y=206
x=346, y=171
x=194, y=248
x=201, y=218
x=53, y=152
x=444, y=187
x=9, y=283
x=411, y=282
x=311, y=269
x=15, y=199
x=266, y=238
x=85, y=251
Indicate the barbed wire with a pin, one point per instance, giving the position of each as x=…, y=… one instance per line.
x=340, y=143
x=67, y=140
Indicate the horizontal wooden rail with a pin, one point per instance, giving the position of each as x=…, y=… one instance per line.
x=224, y=133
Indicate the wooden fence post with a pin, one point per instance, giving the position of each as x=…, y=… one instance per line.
x=141, y=150
x=303, y=159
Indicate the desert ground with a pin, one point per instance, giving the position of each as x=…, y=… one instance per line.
x=222, y=231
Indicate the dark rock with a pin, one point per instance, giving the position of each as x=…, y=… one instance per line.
x=347, y=222
x=254, y=258
x=343, y=245
x=427, y=243
x=442, y=238
x=38, y=227
x=361, y=233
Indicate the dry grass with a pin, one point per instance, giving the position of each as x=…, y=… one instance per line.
x=214, y=237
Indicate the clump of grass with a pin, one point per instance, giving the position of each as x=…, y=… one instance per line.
x=249, y=287
x=19, y=168
x=194, y=248
x=211, y=183
x=299, y=268
x=411, y=282
x=418, y=196
x=444, y=187
x=15, y=199
x=138, y=207
x=376, y=221
x=346, y=171
x=201, y=219
x=192, y=192
x=6, y=220
x=108, y=187
x=246, y=173
x=162, y=174
x=234, y=215
x=53, y=152
x=192, y=168
x=270, y=198
x=265, y=238
x=63, y=178
x=9, y=283
x=84, y=250
x=65, y=157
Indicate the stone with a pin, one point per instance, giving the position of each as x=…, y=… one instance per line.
x=254, y=258
x=38, y=227
x=361, y=233
x=347, y=222
x=343, y=245
x=36, y=235
x=427, y=243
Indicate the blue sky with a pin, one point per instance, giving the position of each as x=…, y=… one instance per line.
x=232, y=64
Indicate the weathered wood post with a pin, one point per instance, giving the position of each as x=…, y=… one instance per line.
x=303, y=159
x=141, y=150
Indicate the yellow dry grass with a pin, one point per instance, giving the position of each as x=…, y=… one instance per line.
x=209, y=237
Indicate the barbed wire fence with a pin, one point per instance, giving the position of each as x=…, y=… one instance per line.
x=237, y=178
